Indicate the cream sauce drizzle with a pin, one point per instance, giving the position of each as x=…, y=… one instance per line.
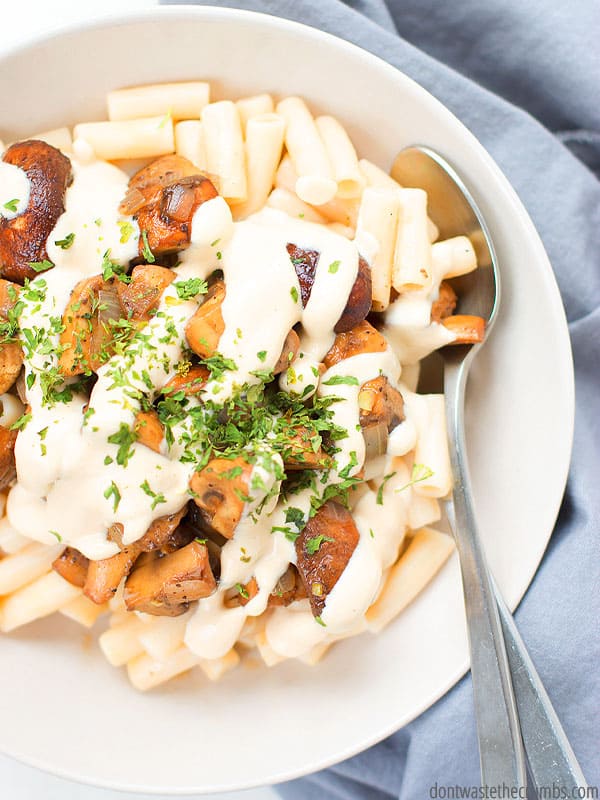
x=14, y=190
x=66, y=466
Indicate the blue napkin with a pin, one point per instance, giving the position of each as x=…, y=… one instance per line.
x=524, y=76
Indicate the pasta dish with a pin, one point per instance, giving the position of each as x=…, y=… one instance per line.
x=212, y=315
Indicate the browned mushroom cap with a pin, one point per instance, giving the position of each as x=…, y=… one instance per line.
x=23, y=238
x=204, y=329
x=143, y=293
x=164, y=196
x=380, y=403
x=219, y=491
x=192, y=382
x=445, y=303
x=8, y=470
x=288, y=588
x=305, y=263
x=323, y=550
x=166, y=586
x=359, y=301
x=289, y=351
x=104, y=576
x=72, y=566
x=363, y=338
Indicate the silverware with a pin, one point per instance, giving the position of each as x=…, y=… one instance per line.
x=509, y=712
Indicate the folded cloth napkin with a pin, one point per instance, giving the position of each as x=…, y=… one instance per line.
x=525, y=78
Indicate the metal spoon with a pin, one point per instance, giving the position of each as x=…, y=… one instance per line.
x=505, y=709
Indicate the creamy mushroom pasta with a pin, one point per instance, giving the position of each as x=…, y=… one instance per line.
x=211, y=318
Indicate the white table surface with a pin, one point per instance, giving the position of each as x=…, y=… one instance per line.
x=22, y=21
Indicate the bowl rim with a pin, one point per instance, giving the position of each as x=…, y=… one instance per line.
x=563, y=355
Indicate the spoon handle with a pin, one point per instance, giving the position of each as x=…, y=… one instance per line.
x=500, y=747
x=551, y=760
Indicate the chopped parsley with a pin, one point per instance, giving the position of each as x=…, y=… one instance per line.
x=334, y=266
x=341, y=380
x=112, y=269
x=12, y=205
x=261, y=355
x=41, y=266
x=124, y=437
x=19, y=424
x=313, y=544
x=186, y=290
x=127, y=230
x=382, y=486
x=146, y=251
x=242, y=591
x=65, y=243
x=294, y=294
x=113, y=491
x=157, y=498
x=419, y=473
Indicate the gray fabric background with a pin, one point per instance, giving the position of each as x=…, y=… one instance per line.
x=525, y=78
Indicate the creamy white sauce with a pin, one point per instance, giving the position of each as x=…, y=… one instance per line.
x=408, y=325
x=70, y=484
x=14, y=190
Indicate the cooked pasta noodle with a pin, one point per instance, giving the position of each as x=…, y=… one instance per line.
x=208, y=444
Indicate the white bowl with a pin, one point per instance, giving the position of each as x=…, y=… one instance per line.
x=62, y=708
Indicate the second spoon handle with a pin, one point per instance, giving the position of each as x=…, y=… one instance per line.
x=551, y=759
x=500, y=747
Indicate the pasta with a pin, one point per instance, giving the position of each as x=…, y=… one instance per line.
x=315, y=183
x=225, y=149
x=179, y=100
x=211, y=440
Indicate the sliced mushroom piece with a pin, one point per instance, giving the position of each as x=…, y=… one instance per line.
x=166, y=586
x=104, y=576
x=300, y=452
x=468, y=329
x=288, y=589
x=305, y=263
x=323, y=550
x=160, y=531
x=83, y=341
x=23, y=238
x=172, y=189
x=192, y=382
x=149, y=429
x=11, y=361
x=359, y=301
x=241, y=594
x=8, y=470
x=9, y=294
x=204, y=329
x=289, y=351
x=445, y=304
x=220, y=491
x=72, y=566
x=363, y=338
x=380, y=402
x=142, y=294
